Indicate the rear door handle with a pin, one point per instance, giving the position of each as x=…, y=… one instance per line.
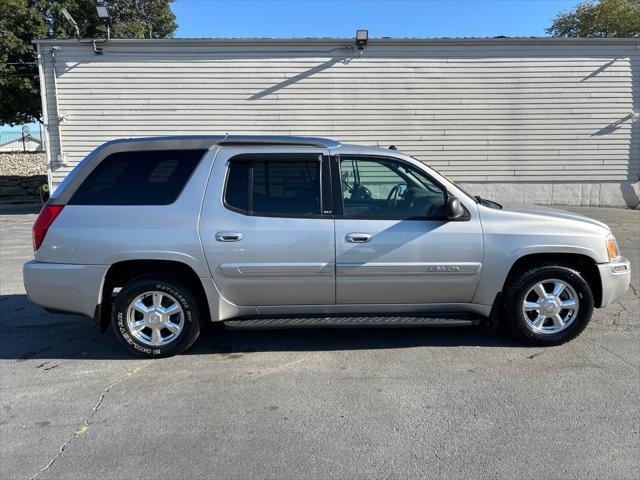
x=228, y=236
x=357, y=237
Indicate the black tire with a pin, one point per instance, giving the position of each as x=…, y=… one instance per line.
x=174, y=289
x=514, y=294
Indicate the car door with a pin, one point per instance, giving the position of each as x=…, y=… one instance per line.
x=267, y=227
x=393, y=243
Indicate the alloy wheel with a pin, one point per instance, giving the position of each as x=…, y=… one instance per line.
x=155, y=318
x=550, y=306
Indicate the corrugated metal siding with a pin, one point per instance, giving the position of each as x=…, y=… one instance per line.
x=499, y=113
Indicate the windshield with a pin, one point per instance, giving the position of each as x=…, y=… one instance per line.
x=472, y=197
x=475, y=198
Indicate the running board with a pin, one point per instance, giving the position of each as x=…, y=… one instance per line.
x=441, y=320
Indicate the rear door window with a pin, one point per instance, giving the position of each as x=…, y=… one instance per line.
x=153, y=177
x=274, y=187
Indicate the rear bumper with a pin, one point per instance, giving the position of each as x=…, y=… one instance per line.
x=616, y=278
x=64, y=287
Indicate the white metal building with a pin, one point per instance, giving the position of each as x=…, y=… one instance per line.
x=524, y=120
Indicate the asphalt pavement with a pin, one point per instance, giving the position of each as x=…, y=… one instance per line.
x=353, y=403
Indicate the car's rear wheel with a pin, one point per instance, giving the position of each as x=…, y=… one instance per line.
x=156, y=317
x=548, y=305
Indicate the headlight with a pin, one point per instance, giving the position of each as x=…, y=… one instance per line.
x=612, y=248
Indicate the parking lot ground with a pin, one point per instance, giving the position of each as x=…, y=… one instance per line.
x=354, y=403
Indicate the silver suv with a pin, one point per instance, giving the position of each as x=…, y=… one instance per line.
x=159, y=236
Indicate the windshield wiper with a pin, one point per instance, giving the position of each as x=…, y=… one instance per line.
x=487, y=203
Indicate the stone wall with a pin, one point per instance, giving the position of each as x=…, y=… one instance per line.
x=21, y=177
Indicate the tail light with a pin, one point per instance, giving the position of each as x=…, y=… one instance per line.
x=46, y=217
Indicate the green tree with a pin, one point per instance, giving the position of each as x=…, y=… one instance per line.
x=21, y=21
x=606, y=18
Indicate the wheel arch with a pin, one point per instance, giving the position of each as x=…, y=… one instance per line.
x=120, y=273
x=584, y=264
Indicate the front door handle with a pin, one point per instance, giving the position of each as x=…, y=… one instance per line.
x=228, y=236
x=357, y=237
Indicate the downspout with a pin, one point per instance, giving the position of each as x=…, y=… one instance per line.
x=45, y=118
x=60, y=161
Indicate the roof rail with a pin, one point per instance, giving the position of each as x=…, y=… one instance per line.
x=277, y=140
x=207, y=141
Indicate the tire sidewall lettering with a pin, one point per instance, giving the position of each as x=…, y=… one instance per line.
x=122, y=330
x=178, y=296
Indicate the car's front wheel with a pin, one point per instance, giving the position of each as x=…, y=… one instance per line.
x=156, y=317
x=548, y=305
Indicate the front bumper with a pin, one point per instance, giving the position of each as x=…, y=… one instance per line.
x=616, y=278
x=64, y=287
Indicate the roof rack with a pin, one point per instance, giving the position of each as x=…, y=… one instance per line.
x=208, y=141
x=277, y=140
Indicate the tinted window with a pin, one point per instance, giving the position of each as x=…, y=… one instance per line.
x=237, y=189
x=273, y=187
x=154, y=177
x=380, y=188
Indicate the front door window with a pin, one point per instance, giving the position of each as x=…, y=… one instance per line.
x=382, y=188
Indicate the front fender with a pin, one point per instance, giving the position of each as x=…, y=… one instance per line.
x=520, y=252
x=498, y=264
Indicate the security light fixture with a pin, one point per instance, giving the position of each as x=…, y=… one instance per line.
x=103, y=14
x=362, y=36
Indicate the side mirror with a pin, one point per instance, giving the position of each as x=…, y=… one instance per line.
x=454, y=209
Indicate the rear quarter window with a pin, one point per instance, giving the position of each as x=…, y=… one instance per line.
x=153, y=177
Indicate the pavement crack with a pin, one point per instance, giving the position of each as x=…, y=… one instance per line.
x=84, y=426
x=106, y=390
x=616, y=317
x=617, y=356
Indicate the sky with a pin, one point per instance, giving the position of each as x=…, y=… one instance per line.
x=383, y=18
